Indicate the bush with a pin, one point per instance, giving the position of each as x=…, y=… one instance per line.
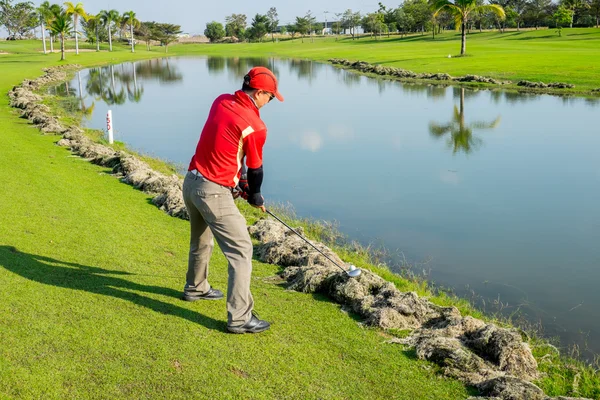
x=214, y=31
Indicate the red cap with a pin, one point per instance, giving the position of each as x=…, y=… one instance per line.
x=262, y=78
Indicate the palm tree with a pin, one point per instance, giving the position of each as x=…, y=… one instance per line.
x=44, y=11
x=461, y=134
x=53, y=10
x=95, y=20
x=108, y=17
x=76, y=11
x=61, y=25
x=130, y=19
x=461, y=9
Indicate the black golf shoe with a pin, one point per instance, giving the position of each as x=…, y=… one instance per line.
x=212, y=294
x=254, y=325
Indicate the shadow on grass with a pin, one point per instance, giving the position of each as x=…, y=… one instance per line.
x=404, y=60
x=18, y=61
x=49, y=271
x=536, y=37
x=585, y=34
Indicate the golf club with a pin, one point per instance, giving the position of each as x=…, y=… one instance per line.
x=352, y=271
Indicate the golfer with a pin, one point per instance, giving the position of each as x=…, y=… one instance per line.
x=233, y=135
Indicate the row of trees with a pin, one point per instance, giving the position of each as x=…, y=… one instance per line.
x=64, y=21
x=423, y=15
x=236, y=27
x=418, y=16
x=100, y=28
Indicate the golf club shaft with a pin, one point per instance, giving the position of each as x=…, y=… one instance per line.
x=306, y=240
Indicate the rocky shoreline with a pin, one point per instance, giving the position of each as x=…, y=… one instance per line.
x=166, y=190
x=443, y=78
x=493, y=359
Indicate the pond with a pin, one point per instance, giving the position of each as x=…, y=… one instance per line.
x=493, y=194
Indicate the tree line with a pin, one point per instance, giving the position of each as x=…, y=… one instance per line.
x=415, y=16
x=71, y=20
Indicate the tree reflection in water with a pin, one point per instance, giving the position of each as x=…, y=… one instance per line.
x=461, y=134
x=87, y=111
x=67, y=95
x=117, y=84
x=237, y=67
x=434, y=92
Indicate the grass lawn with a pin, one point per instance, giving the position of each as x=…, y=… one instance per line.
x=91, y=272
x=90, y=275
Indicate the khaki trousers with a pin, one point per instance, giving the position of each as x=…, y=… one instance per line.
x=213, y=213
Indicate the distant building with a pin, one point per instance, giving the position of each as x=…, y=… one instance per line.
x=328, y=28
x=331, y=25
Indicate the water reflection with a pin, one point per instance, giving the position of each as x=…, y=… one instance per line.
x=497, y=96
x=434, y=92
x=88, y=111
x=572, y=100
x=116, y=85
x=349, y=78
x=305, y=69
x=163, y=70
x=216, y=64
x=68, y=96
x=461, y=134
x=71, y=99
x=237, y=67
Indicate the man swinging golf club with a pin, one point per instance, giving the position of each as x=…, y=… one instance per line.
x=233, y=133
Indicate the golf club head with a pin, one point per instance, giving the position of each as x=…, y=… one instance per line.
x=353, y=271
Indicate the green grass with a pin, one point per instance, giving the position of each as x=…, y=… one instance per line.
x=90, y=274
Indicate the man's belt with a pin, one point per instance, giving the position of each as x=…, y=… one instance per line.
x=199, y=175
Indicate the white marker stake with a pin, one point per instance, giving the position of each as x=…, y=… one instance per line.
x=109, y=126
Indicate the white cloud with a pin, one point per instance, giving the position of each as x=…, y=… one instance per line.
x=311, y=141
x=450, y=177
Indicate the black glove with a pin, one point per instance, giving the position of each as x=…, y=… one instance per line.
x=256, y=199
x=255, y=177
x=242, y=189
x=243, y=185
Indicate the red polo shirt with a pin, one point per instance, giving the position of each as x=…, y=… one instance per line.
x=232, y=131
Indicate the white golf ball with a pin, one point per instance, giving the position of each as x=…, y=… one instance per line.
x=352, y=268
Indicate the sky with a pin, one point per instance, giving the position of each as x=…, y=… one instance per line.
x=193, y=15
